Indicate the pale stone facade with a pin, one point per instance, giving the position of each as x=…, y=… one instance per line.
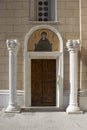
x=18, y=17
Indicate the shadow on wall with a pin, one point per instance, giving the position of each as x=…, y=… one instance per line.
x=83, y=56
x=66, y=70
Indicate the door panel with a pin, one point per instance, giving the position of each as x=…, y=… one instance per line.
x=36, y=70
x=49, y=95
x=49, y=82
x=43, y=82
x=36, y=83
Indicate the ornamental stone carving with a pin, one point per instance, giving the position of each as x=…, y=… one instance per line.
x=12, y=44
x=73, y=45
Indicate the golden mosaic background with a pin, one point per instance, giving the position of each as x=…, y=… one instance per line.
x=36, y=36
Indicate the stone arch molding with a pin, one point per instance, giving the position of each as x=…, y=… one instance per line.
x=59, y=66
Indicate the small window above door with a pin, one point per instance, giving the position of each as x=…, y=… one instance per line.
x=46, y=10
x=43, y=10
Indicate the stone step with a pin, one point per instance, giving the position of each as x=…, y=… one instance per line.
x=40, y=109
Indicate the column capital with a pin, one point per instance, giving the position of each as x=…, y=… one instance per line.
x=73, y=45
x=12, y=44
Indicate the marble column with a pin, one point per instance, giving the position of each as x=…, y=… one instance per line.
x=73, y=46
x=12, y=46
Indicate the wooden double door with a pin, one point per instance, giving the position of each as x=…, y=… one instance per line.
x=43, y=82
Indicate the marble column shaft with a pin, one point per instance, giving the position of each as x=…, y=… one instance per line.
x=12, y=46
x=73, y=46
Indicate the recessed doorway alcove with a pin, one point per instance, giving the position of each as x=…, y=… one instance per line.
x=37, y=54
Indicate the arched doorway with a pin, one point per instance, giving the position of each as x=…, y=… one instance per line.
x=45, y=58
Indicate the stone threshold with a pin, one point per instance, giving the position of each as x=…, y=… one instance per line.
x=42, y=109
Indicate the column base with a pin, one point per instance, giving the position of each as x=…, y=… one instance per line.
x=73, y=110
x=12, y=109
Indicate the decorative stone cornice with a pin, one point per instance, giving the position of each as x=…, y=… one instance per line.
x=12, y=44
x=73, y=45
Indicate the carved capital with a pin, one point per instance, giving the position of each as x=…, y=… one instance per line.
x=73, y=45
x=12, y=44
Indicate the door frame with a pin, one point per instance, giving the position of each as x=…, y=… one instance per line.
x=43, y=55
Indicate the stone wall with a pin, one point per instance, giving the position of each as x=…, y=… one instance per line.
x=83, y=32
x=68, y=15
x=14, y=23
